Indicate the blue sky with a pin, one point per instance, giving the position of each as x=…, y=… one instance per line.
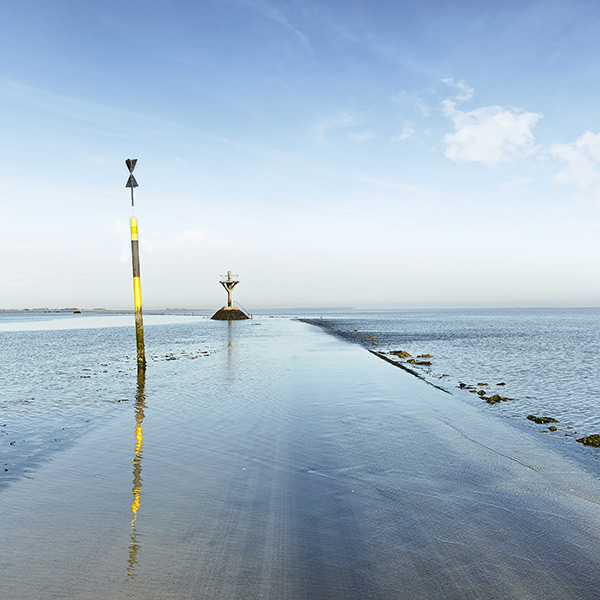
x=339, y=153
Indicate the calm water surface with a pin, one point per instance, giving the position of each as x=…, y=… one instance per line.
x=547, y=358
x=269, y=459
x=61, y=374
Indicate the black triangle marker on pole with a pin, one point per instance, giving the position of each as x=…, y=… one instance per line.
x=135, y=260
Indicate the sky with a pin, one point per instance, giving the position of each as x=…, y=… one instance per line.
x=406, y=153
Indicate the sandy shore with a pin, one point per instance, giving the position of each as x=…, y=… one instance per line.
x=292, y=465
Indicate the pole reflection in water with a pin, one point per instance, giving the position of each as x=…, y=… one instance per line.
x=140, y=406
x=229, y=375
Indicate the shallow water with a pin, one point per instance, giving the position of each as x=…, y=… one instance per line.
x=547, y=358
x=63, y=374
x=266, y=459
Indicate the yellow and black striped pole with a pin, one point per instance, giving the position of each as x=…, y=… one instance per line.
x=137, y=287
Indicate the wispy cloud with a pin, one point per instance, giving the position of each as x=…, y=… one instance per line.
x=407, y=133
x=276, y=14
x=414, y=101
x=362, y=136
x=90, y=117
x=84, y=115
x=582, y=161
x=188, y=240
x=464, y=92
x=517, y=183
x=341, y=120
x=490, y=134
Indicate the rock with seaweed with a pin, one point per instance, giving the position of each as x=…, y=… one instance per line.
x=496, y=398
x=419, y=363
x=541, y=420
x=590, y=440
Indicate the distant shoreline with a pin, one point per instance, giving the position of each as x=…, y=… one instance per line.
x=100, y=311
x=290, y=309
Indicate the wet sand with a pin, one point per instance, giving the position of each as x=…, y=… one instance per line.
x=292, y=465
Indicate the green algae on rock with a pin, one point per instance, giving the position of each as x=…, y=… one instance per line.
x=590, y=440
x=495, y=399
x=419, y=363
x=541, y=420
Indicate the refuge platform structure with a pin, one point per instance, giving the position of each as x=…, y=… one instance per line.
x=229, y=312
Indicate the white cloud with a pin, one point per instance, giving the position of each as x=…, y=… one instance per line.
x=582, y=158
x=489, y=134
x=407, y=133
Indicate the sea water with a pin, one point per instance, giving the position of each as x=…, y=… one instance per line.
x=63, y=373
x=546, y=359
x=285, y=463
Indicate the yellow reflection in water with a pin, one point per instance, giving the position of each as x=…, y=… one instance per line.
x=140, y=405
